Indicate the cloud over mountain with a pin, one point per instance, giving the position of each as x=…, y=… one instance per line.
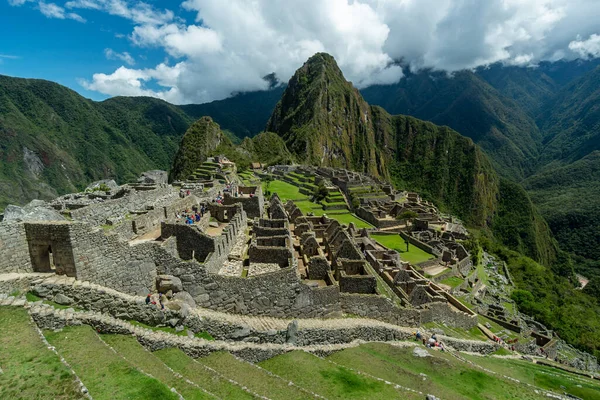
x=217, y=47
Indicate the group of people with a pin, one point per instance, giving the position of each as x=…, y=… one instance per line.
x=218, y=199
x=193, y=216
x=184, y=193
x=431, y=343
x=151, y=300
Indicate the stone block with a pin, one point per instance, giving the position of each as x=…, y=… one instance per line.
x=165, y=283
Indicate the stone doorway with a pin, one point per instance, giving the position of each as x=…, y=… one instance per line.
x=42, y=259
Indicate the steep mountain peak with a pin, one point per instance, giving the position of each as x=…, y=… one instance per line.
x=202, y=138
x=325, y=121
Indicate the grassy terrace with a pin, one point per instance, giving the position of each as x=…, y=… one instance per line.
x=453, y=281
x=200, y=375
x=105, y=373
x=414, y=255
x=541, y=376
x=287, y=191
x=138, y=356
x=441, y=374
x=29, y=369
x=330, y=380
x=253, y=377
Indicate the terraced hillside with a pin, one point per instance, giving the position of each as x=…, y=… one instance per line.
x=119, y=366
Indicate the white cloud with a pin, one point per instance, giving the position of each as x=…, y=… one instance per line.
x=52, y=10
x=234, y=43
x=125, y=56
x=586, y=48
x=9, y=56
x=18, y=2
x=130, y=82
x=138, y=12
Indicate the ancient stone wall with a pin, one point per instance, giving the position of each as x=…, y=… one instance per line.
x=254, y=206
x=380, y=308
x=115, y=209
x=365, y=284
x=149, y=221
x=423, y=246
x=108, y=261
x=14, y=251
x=51, y=247
x=277, y=294
x=191, y=242
x=445, y=314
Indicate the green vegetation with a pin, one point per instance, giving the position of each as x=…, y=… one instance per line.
x=142, y=359
x=414, y=255
x=285, y=191
x=445, y=376
x=267, y=148
x=253, y=377
x=453, y=281
x=200, y=375
x=29, y=369
x=551, y=298
x=468, y=104
x=541, y=376
x=76, y=141
x=105, y=373
x=329, y=380
x=567, y=197
x=200, y=141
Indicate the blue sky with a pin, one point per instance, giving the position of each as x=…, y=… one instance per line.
x=193, y=51
x=64, y=50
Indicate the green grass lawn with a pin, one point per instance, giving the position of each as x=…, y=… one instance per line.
x=200, y=375
x=285, y=191
x=29, y=369
x=453, y=281
x=541, y=376
x=105, y=374
x=414, y=255
x=445, y=376
x=137, y=355
x=330, y=380
x=256, y=379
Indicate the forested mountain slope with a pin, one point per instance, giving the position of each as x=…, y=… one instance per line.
x=325, y=121
x=467, y=103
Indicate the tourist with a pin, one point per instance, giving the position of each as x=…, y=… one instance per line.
x=160, y=301
x=149, y=298
x=197, y=217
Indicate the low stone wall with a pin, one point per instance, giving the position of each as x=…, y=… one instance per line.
x=277, y=294
x=14, y=251
x=444, y=313
x=423, y=246
x=505, y=324
x=380, y=308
